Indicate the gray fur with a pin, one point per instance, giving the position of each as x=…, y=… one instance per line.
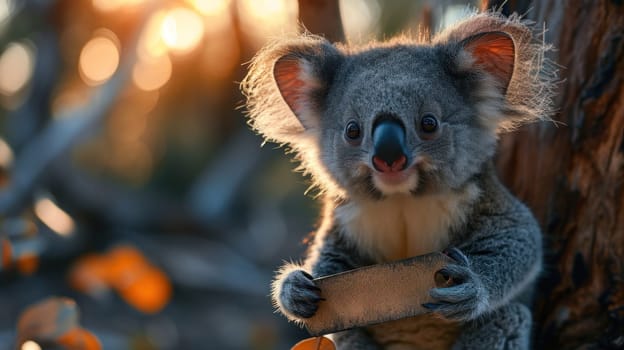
x=452, y=197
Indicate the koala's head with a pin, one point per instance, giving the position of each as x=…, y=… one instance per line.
x=398, y=117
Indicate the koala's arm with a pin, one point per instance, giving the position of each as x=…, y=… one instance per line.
x=294, y=293
x=501, y=256
x=506, y=252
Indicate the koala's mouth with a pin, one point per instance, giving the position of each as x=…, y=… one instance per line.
x=390, y=162
x=404, y=181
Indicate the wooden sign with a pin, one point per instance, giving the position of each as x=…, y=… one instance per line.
x=375, y=294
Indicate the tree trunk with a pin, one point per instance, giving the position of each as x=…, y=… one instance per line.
x=322, y=17
x=571, y=174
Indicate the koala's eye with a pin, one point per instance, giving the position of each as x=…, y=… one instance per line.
x=428, y=123
x=352, y=131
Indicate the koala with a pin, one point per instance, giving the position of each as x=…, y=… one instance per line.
x=399, y=137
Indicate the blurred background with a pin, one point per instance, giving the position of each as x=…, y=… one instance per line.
x=129, y=180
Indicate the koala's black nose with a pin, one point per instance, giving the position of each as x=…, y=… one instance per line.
x=389, y=145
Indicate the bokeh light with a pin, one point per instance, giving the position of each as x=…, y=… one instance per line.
x=182, y=29
x=54, y=217
x=30, y=345
x=107, y=5
x=263, y=18
x=210, y=7
x=113, y=5
x=216, y=13
x=152, y=74
x=5, y=9
x=16, y=67
x=362, y=20
x=6, y=155
x=99, y=58
x=151, y=43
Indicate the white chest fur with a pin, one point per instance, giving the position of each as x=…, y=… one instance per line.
x=402, y=226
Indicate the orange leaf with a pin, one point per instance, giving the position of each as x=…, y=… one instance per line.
x=28, y=263
x=47, y=320
x=316, y=343
x=79, y=339
x=90, y=275
x=5, y=177
x=7, y=251
x=123, y=258
x=129, y=272
x=149, y=291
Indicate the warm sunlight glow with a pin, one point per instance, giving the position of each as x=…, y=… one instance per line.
x=216, y=13
x=30, y=345
x=363, y=16
x=262, y=18
x=107, y=5
x=152, y=74
x=99, y=59
x=210, y=7
x=54, y=217
x=151, y=43
x=6, y=155
x=112, y=5
x=16, y=67
x=221, y=57
x=182, y=29
x=5, y=9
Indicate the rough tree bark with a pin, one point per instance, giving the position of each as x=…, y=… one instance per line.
x=572, y=176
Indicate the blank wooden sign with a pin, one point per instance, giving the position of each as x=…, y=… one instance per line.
x=375, y=294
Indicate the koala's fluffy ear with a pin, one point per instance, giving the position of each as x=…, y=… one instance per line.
x=301, y=84
x=287, y=85
x=493, y=52
x=520, y=82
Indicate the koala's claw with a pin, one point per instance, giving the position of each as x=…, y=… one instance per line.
x=450, y=276
x=456, y=255
x=299, y=295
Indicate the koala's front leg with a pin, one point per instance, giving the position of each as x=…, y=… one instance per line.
x=490, y=269
x=295, y=294
x=297, y=297
x=294, y=291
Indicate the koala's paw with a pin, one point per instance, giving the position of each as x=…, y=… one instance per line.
x=299, y=296
x=460, y=295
